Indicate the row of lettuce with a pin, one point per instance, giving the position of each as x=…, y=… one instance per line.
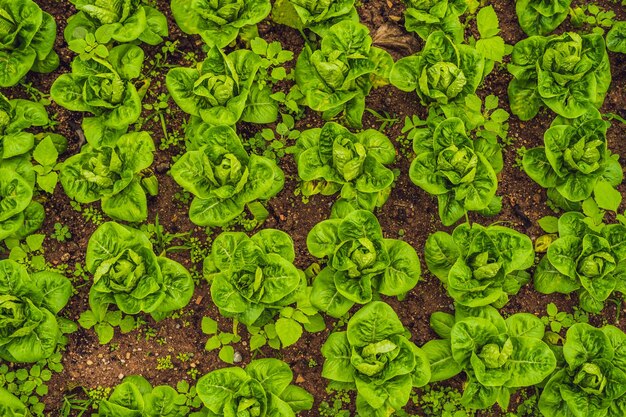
x=253, y=279
x=458, y=155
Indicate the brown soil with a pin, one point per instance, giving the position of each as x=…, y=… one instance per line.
x=409, y=209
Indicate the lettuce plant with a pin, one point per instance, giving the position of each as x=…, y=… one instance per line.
x=16, y=116
x=103, y=87
x=360, y=263
x=480, y=265
x=441, y=72
x=19, y=214
x=128, y=274
x=18, y=146
x=121, y=21
x=11, y=406
x=592, y=381
x=252, y=278
x=460, y=171
x=261, y=389
x=319, y=16
x=497, y=355
x=427, y=16
x=483, y=119
x=375, y=357
x=218, y=88
x=616, y=38
x=113, y=175
x=589, y=260
x=223, y=178
x=566, y=73
x=136, y=397
x=574, y=162
x=540, y=17
x=29, y=304
x=332, y=159
x=218, y=22
x=28, y=36
x=339, y=75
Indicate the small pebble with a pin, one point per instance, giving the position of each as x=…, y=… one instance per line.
x=89, y=362
x=237, y=357
x=120, y=376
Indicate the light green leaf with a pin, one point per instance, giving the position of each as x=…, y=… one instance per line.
x=289, y=331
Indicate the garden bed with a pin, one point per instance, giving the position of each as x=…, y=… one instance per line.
x=410, y=214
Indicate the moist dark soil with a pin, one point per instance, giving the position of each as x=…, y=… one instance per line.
x=410, y=214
